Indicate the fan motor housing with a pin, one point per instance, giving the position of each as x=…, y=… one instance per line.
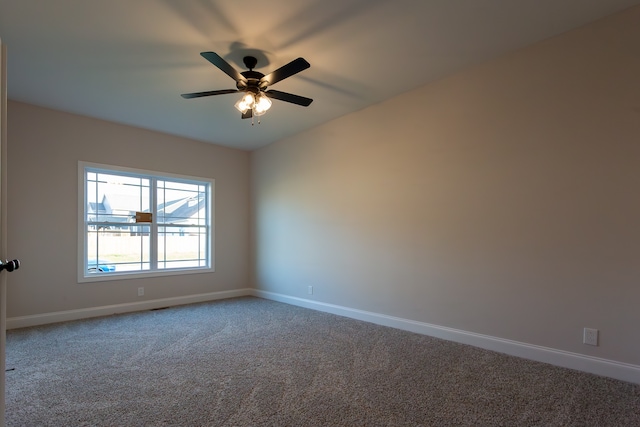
x=253, y=81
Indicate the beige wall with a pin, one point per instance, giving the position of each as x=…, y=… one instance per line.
x=503, y=201
x=43, y=153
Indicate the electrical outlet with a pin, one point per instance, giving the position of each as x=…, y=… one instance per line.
x=590, y=336
x=310, y=290
x=140, y=291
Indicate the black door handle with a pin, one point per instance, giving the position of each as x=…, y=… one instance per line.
x=10, y=265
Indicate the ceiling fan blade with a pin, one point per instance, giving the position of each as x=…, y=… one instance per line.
x=248, y=114
x=208, y=93
x=285, y=71
x=289, y=97
x=219, y=62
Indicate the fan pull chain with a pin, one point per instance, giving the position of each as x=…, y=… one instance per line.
x=253, y=114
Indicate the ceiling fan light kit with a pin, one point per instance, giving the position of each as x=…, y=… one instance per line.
x=258, y=104
x=256, y=99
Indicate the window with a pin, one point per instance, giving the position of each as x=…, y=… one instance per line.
x=142, y=223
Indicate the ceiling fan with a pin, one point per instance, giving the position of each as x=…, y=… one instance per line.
x=254, y=84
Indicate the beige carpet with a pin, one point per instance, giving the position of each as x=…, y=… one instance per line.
x=253, y=362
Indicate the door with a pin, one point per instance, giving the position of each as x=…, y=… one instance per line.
x=4, y=265
x=3, y=218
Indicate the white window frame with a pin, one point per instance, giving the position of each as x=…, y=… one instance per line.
x=84, y=276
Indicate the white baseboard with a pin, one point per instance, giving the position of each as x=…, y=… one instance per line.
x=85, y=313
x=594, y=365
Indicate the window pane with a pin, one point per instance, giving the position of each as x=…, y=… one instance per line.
x=115, y=198
x=181, y=203
x=180, y=247
x=117, y=248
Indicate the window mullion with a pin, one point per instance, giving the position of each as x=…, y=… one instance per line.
x=153, y=238
x=85, y=263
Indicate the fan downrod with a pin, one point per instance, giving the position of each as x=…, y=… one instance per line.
x=250, y=62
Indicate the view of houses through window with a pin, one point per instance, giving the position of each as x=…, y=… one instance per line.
x=137, y=222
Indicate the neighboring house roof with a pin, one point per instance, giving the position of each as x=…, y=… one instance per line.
x=96, y=208
x=182, y=208
x=121, y=203
x=115, y=208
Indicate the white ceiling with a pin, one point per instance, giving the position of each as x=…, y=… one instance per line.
x=128, y=61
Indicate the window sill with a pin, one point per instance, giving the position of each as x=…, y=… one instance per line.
x=105, y=277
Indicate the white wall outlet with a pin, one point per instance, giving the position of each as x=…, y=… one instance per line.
x=310, y=290
x=140, y=291
x=590, y=336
